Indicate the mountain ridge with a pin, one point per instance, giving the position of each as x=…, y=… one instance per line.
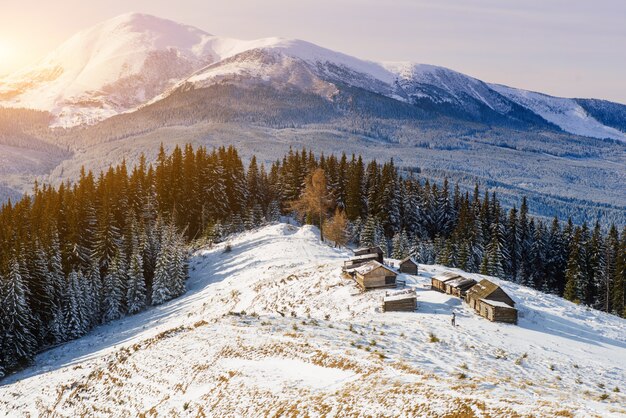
x=147, y=58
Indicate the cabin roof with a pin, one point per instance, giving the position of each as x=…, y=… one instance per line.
x=400, y=295
x=460, y=282
x=374, y=250
x=443, y=277
x=371, y=266
x=408, y=259
x=364, y=257
x=483, y=289
x=497, y=303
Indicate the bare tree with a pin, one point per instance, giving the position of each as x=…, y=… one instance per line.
x=314, y=202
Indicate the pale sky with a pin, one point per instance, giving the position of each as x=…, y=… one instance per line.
x=571, y=48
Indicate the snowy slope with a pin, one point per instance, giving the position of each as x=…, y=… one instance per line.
x=565, y=113
x=272, y=328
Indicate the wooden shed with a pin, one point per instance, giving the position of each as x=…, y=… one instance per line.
x=486, y=290
x=438, y=282
x=374, y=275
x=369, y=251
x=459, y=286
x=359, y=260
x=497, y=311
x=400, y=301
x=408, y=266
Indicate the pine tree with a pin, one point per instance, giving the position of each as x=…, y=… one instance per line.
x=136, y=292
x=73, y=307
x=18, y=342
x=619, y=279
x=113, y=290
x=400, y=246
x=161, y=289
x=368, y=233
x=574, y=270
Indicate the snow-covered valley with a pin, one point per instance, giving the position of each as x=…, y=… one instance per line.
x=272, y=328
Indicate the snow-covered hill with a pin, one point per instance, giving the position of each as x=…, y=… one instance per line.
x=136, y=59
x=272, y=328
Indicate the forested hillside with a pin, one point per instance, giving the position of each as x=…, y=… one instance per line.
x=82, y=254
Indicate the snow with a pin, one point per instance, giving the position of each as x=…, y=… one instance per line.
x=496, y=303
x=133, y=60
x=273, y=328
x=565, y=113
x=272, y=373
x=399, y=296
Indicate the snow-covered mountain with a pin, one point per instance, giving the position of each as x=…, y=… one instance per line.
x=272, y=328
x=109, y=68
x=135, y=59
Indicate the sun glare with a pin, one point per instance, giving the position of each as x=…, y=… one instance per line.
x=6, y=55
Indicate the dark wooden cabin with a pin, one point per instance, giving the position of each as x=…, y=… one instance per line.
x=369, y=251
x=408, y=266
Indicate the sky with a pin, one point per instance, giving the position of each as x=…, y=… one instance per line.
x=570, y=48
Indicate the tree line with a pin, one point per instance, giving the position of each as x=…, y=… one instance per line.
x=82, y=254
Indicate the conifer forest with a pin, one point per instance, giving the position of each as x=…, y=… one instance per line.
x=113, y=243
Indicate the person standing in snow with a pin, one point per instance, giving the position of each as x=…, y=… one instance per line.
x=453, y=319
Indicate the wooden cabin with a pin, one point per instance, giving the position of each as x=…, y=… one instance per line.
x=408, y=266
x=369, y=251
x=458, y=287
x=373, y=275
x=497, y=311
x=486, y=290
x=359, y=260
x=400, y=301
x=491, y=302
x=438, y=282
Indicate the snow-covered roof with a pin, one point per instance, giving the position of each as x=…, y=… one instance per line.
x=364, y=257
x=402, y=296
x=369, y=250
x=371, y=265
x=448, y=275
x=460, y=282
x=497, y=303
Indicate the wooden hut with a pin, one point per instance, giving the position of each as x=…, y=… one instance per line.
x=491, y=302
x=459, y=286
x=486, y=290
x=359, y=260
x=408, y=266
x=438, y=282
x=374, y=275
x=369, y=251
x=497, y=311
x=401, y=301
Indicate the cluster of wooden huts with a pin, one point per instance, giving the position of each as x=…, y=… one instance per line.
x=368, y=271
x=485, y=297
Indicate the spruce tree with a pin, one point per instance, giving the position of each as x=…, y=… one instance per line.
x=113, y=290
x=18, y=342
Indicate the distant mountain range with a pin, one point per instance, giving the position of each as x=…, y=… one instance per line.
x=127, y=62
x=128, y=84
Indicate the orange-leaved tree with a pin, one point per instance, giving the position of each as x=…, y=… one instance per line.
x=336, y=228
x=315, y=201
